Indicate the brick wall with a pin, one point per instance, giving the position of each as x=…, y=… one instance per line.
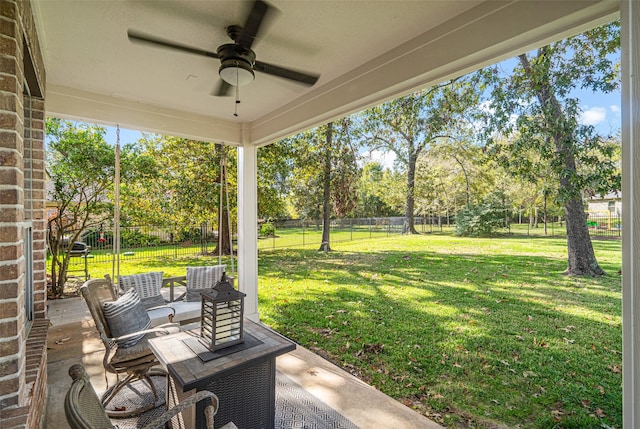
x=12, y=325
x=23, y=357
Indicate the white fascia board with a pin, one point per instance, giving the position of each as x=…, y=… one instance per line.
x=69, y=103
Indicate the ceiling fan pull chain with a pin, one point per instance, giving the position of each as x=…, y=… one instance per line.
x=237, y=101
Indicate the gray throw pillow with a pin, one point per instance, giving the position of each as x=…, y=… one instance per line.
x=200, y=279
x=148, y=286
x=126, y=316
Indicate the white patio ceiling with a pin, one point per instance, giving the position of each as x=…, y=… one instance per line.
x=366, y=52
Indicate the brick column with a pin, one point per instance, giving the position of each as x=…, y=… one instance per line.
x=12, y=325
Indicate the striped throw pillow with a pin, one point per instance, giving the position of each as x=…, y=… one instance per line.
x=202, y=278
x=148, y=286
x=125, y=316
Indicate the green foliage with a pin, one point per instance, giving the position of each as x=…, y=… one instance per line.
x=133, y=238
x=546, y=139
x=378, y=195
x=312, y=155
x=81, y=166
x=182, y=184
x=483, y=219
x=407, y=126
x=268, y=229
x=275, y=165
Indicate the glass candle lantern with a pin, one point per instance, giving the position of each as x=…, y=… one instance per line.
x=222, y=315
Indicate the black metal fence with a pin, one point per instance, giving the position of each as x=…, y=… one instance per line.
x=149, y=242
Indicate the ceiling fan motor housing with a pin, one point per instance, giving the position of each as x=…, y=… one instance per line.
x=236, y=64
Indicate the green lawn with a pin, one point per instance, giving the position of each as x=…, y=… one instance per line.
x=470, y=332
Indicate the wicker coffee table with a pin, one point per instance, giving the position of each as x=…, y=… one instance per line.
x=242, y=376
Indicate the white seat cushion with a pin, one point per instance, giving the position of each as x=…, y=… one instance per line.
x=185, y=311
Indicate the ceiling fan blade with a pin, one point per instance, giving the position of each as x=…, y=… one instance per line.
x=251, y=27
x=136, y=37
x=223, y=89
x=305, y=78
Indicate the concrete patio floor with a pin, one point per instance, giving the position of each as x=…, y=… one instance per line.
x=74, y=339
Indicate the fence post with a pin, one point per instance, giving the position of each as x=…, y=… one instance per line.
x=351, y=223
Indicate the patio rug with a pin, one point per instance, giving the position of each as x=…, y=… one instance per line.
x=295, y=407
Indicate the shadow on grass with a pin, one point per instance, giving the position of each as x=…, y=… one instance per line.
x=497, y=338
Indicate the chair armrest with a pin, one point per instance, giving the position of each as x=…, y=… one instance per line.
x=166, y=306
x=171, y=282
x=146, y=331
x=158, y=307
x=210, y=409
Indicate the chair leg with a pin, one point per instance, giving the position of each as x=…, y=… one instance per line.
x=143, y=375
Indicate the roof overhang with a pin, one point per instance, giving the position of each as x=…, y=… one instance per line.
x=366, y=53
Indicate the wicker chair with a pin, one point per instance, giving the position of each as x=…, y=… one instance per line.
x=135, y=361
x=85, y=411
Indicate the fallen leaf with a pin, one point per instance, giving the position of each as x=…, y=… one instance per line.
x=600, y=413
x=457, y=365
x=437, y=396
x=312, y=372
x=615, y=368
x=63, y=340
x=601, y=389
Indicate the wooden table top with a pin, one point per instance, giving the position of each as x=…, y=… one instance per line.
x=189, y=371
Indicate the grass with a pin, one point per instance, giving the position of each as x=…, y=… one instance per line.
x=470, y=332
x=484, y=333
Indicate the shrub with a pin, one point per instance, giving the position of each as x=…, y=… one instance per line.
x=133, y=238
x=482, y=219
x=268, y=229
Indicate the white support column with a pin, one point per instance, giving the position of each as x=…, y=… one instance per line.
x=630, y=44
x=248, y=228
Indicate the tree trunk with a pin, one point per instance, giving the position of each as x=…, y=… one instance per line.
x=408, y=227
x=224, y=244
x=582, y=259
x=326, y=185
x=544, y=214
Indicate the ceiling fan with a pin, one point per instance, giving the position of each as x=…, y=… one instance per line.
x=237, y=60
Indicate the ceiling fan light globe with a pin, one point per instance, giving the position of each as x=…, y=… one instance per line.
x=236, y=73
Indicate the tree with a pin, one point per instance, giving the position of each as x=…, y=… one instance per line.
x=373, y=192
x=325, y=173
x=81, y=169
x=408, y=125
x=184, y=191
x=539, y=92
x=275, y=164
